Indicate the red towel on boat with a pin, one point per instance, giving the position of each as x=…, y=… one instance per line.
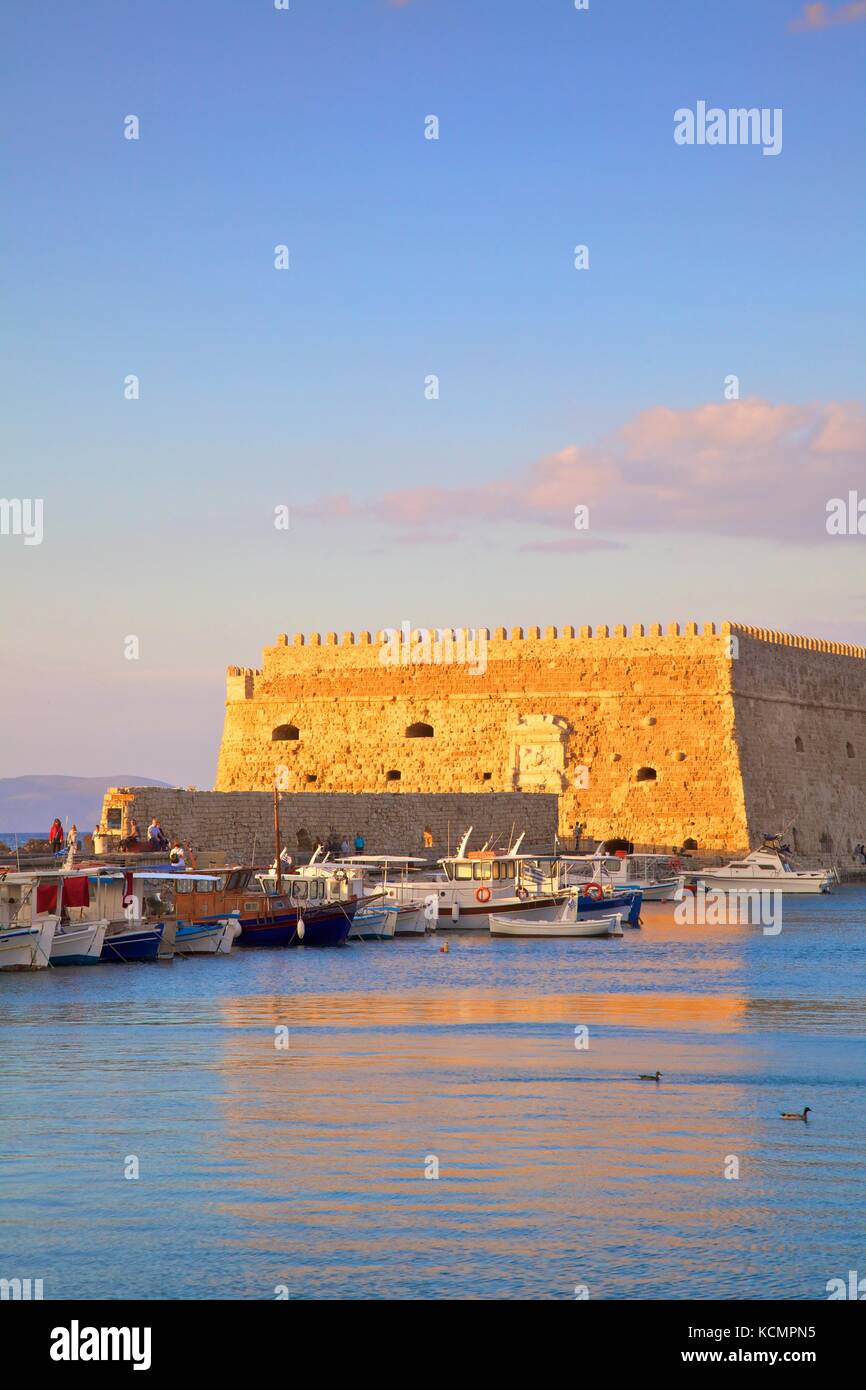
x=76, y=892
x=46, y=897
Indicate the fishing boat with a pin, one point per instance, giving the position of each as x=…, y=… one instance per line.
x=379, y=876
x=291, y=911
x=659, y=877
x=767, y=868
x=78, y=943
x=123, y=944
x=472, y=884
x=28, y=921
x=374, y=923
x=566, y=924
x=207, y=938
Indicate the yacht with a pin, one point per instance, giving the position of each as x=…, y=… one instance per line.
x=767, y=868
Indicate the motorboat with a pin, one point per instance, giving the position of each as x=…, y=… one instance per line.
x=767, y=868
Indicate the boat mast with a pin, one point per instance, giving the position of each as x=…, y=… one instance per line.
x=278, y=882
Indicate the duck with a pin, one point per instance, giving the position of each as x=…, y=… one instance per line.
x=644, y=1076
x=787, y=1115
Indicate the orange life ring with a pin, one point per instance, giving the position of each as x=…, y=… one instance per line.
x=482, y=895
x=594, y=890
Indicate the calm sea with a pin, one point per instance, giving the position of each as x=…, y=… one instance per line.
x=305, y=1168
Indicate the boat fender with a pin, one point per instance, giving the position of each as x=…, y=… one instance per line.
x=482, y=895
x=301, y=929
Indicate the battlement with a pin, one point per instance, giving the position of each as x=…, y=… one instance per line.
x=569, y=633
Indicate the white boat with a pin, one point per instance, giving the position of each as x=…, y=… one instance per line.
x=27, y=948
x=767, y=868
x=566, y=924
x=385, y=876
x=78, y=943
x=659, y=877
x=28, y=921
x=469, y=886
x=207, y=938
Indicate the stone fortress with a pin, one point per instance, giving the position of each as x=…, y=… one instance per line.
x=707, y=739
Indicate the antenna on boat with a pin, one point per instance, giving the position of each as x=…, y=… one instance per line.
x=277, y=884
x=463, y=843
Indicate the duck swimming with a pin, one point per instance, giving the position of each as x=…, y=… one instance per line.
x=786, y=1115
x=657, y=1077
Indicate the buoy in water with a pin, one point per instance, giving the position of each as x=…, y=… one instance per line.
x=443, y=950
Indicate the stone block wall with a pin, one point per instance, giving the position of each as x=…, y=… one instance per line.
x=242, y=823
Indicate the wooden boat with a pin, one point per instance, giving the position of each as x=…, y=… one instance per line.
x=380, y=876
x=27, y=948
x=374, y=923
x=28, y=921
x=78, y=943
x=207, y=938
x=566, y=925
x=123, y=944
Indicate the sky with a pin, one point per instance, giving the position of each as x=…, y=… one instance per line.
x=449, y=502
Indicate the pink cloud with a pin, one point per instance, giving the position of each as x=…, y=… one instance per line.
x=819, y=17
x=748, y=468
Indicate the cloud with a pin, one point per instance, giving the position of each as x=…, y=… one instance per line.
x=819, y=17
x=746, y=468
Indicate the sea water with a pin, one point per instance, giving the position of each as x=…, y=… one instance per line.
x=389, y=1120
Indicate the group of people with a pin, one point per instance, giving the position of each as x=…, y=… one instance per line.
x=59, y=840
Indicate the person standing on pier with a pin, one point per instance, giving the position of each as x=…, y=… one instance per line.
x=55, y=836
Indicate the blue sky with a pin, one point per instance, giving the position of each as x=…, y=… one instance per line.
x=408, y=257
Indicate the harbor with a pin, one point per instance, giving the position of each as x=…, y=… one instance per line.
x=306, y=1165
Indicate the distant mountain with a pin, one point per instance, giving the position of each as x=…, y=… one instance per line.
x=28, y=803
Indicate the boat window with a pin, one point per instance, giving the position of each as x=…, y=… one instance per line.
x=770, y=867
x=462, y=871
x=481, y=870
x=496, y=870
x=299, y=889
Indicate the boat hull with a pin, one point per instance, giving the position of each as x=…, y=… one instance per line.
x=475, y=916
x=206, y=938
x=79, y=945
x=766, y=884
x=374, y=924
x=27, y=948
x=629, y=904
x=320, y=926
x=137, y=944
x=579, y=927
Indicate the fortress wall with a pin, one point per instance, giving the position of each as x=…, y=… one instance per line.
x=787, y=689
x=235, y=822
x=573, y=712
